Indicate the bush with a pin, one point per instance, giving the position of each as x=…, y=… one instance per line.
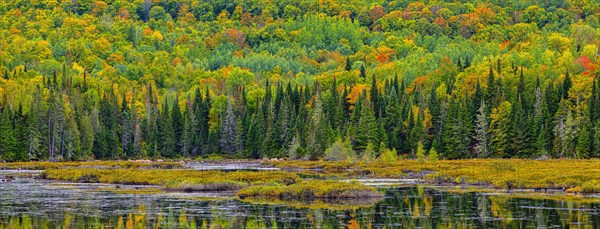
x=340, y=151
x=433, y=155
x=388, y=155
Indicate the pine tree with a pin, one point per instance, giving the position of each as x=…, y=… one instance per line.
x=167, y=144
x=481, y=132
x=8, y=140
x=228, y=130
x=348, y=64
x=566, y=86
x=177, y=122
x=375, y=100
x=583, y=139
x=126, y=128
x=365, y=127
x=420, y=152
x=363, y=71
x=187, y=138
x=433, y=155
x=239, y=137
x=499, y=129
x=538, y=103
x=491, y=90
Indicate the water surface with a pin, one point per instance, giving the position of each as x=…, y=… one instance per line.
x=31, y=203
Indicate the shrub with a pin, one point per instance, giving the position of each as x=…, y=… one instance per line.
x=433, y=155
x=388, y=156
x=339, y=151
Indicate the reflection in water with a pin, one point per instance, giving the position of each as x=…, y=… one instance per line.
x=41, y=205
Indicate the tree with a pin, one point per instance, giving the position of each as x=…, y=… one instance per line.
x=348, y=64
x=177, y=122
x=8, y=140
x=433, y=155
x=363, y=72
x=167, y=144
x=228, y=131
x=339, y=151
x=365, y=127
x=566, y=86
x=420, y=152
x=481, y=132
x=499, y=129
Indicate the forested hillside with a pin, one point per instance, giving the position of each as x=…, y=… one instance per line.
x=326, y=79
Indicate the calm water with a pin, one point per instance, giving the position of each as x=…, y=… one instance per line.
x=41, y=204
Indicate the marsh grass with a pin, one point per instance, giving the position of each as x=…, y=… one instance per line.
x=173, y=179
x=42, y=165
x=581, y=176
x=311, y=189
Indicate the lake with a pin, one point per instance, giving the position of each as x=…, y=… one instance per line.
x=33, y=203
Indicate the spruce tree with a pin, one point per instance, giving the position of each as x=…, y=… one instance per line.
x=499, y=129
x=167, y=144
x=177, y=123
x=348, y=64
x=228, y=131
x=363, y=71
x=8, y=140
x=481, y=132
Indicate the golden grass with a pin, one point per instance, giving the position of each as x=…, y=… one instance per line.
x=500, y=173
x=41, y=165
x=172, y=179
x=311, y=189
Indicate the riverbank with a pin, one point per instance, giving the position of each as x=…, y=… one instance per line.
x=573, y=176
x=321, y=179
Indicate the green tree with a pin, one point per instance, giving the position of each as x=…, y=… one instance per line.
x=499, y=129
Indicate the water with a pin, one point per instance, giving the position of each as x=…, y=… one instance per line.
x=30, y=203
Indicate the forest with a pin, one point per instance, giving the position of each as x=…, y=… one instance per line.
x=330, y=79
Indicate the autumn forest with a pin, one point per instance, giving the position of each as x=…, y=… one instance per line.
x=330, y=79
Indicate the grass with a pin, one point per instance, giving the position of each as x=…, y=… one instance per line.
x=42, y=165
x=311, y=189
x=566, y=174
x=172, y=179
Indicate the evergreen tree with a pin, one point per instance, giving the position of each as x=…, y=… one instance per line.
x=365, y=127
x=491, y=84
x=177, y=122
x=8, y=140
x=363, y=71
x=348, y=64
x=566, y=86
x=228, y=131
x=420, y=152
x=375, y=100
x=167, y=145
x=481, y=132
x=433, y=155
x=499, y=129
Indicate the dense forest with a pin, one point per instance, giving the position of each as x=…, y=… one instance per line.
x=326, y=79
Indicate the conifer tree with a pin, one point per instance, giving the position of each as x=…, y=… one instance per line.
x=228, y=130
x=348, y=64
x=363, y=71
x=420, y=152
x=481, y=132
x=499, y=129
x=8, y=140
x=177, y=122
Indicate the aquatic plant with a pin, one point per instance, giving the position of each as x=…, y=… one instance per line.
x=180, y=180
x=311, y=189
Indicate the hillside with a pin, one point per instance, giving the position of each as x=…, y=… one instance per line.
x=334, y=80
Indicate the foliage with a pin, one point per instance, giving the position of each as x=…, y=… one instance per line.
x=311, y=189
x=184, y=79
